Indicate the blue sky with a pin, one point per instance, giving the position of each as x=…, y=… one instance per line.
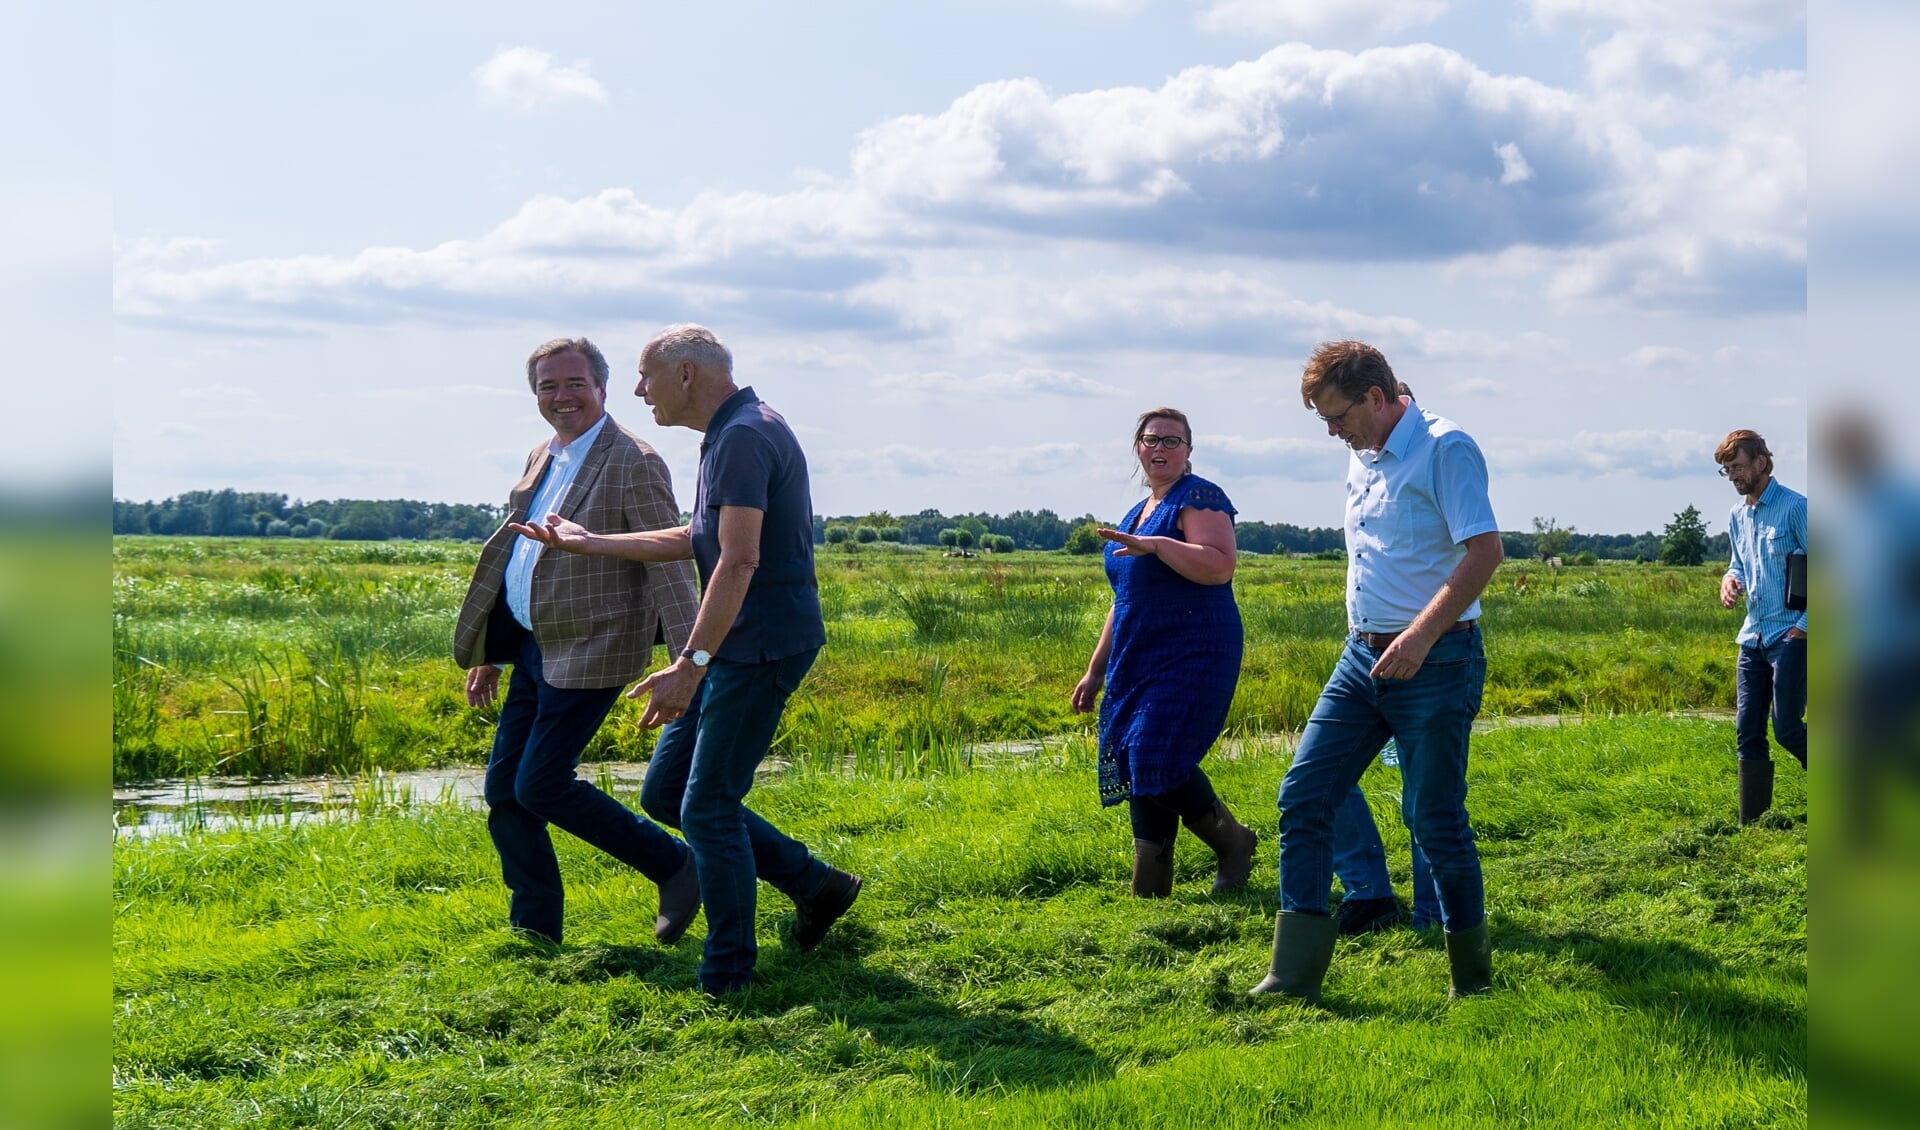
x=962, y=246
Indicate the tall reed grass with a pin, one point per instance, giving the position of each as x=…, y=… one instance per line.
x=270, y=657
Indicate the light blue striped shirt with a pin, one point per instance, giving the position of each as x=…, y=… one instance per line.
x=561, y=469
x=1761, y=536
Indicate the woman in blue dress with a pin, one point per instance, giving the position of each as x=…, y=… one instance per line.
x=1169, y=656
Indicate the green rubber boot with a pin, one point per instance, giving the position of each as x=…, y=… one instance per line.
x=1302, y=950
x=1469, y=961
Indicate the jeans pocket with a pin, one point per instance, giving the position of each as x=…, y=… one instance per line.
x=791, y=671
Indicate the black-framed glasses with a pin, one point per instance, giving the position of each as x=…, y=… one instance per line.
x=1171, y=443
x=1727, y=469
x=1339, y=419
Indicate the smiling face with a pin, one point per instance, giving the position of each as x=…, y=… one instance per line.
x=570, y=399
x=1163, y=447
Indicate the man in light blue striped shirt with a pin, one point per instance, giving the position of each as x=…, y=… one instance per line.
x=1766, y=525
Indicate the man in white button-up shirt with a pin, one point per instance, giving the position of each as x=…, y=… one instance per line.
x=1421, y=545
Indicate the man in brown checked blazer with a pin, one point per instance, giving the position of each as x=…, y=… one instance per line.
x=575, y=630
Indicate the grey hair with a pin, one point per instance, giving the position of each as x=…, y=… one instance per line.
x=690, y=343
x=596, y=361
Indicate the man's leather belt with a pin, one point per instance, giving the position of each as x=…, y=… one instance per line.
x=1379, y=640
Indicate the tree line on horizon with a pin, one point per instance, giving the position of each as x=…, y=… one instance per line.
x=232, y=513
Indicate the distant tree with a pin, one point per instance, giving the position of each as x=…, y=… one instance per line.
x=1550, y=540
x=865, y=534
x=314, y=528
x=278, y=528
x=1585, y=557
x=365, y=521
x=973, y=526
x=837, y=532
x=998, y=543
x=963, y=538
x=1084, y=539
x=949, y=537
x=1685, y=541
x=892, y=533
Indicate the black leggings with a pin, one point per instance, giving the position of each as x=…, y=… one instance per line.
x=1156, y=818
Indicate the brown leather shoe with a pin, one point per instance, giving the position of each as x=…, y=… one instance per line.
x=812, y=917
x=679, y=902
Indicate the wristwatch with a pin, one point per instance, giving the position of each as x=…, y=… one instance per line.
x=700, y=658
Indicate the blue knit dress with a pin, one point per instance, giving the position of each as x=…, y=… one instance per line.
x=1175, y=658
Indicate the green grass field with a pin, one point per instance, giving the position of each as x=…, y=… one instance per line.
x=263, y=658
x=1650, y=964
x=1650, y=955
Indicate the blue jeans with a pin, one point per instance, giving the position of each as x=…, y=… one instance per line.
x=1772, y=679
x=1431, y=716
x=530, y=784
x=1360, y=860
x=697, y=781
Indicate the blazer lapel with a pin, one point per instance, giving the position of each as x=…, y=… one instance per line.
x=521, y=496
x=590, y=467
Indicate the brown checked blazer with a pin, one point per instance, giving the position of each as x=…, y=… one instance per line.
x=596, y=619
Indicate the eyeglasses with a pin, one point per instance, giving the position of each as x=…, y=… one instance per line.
x=1338, y=419
x=1171, y=443
x=1727, y=469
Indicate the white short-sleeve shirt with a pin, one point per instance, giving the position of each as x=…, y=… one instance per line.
x=1410, y=506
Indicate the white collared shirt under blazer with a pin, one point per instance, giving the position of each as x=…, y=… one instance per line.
x=1410, y=507
x=596, y=619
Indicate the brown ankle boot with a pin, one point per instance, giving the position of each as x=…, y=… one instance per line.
x=1232, y=841
x=1152, y=869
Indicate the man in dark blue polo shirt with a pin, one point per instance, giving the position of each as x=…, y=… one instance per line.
x=757, y=633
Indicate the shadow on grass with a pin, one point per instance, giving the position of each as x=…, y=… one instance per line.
x=951, y=1050
x=962, y=1051
x=1688, y=988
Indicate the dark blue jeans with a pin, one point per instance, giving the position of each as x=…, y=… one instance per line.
x=701, y=770
x=1360, y=860
x=1431, y=717
x=530, y=784
x=1772, y=679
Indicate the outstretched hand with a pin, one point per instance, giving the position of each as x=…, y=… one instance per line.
x=557, y=532
x=1131, y=545
x=671, y=689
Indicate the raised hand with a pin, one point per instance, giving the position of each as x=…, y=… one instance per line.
x=556, y=532
x=1131, y=545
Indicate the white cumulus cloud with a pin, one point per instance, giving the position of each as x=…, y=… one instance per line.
x=1318, y=20
x=1659, y=357
x=526, y=79
x=1513, y=164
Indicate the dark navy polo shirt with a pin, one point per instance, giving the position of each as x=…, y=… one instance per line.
x=751, y=458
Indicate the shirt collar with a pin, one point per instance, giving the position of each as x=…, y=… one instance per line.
x=581, y=443
x=1766, y=496
x=1412, y=425
x=740, y=399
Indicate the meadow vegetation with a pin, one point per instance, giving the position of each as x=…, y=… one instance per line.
x=264, y=657
x=355, y=970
